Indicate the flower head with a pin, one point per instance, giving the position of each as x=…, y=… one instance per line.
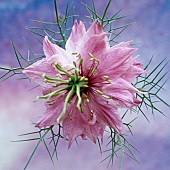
x=85, y=83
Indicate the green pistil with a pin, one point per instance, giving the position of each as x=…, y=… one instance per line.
x=75, y=84
x=53, y=80
x=79, y=97
x=52, y=94
x=71, y=92
x=58, y=67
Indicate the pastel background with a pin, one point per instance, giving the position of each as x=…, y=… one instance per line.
x=151, y=33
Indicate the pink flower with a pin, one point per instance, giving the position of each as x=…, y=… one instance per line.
x=85, y=84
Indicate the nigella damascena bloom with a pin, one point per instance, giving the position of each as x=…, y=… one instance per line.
x=85, y=83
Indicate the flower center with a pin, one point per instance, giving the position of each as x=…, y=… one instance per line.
x=73, y=83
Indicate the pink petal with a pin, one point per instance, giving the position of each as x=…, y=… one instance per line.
x=106, y=113
x=74, y=125
x=60, y=55
x=52, y=113
x=122, y=92
x=121, y=84
x=72, y=128
x=94, y=41
x=51, y=49
x=36, y=70
x=115, y=57
x=93, y=120
x=116, y=62
x=133, y=72
x=124, y=44
x=94, y=131
x=96, y=45
x=76, y=36
x=95, y=29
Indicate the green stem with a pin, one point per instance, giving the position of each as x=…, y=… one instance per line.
x=40, y=140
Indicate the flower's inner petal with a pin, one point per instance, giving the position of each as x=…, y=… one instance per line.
x=51, y=49
x=95, y=29
x=77, y=34
x=65, y=61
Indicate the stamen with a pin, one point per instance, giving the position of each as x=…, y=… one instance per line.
x=91, y=55
x=80, y=66
x=76, y=73
x=109, y=81
x=106, y=77
x=94, y=64
x=74, y=53
x=82, y=78
x=81, y=61
x=99, y=92
x=70, y=117
x=86, y=98
x=51, y=103
x=85, y=85
x=107, y=97
x=74, y=63
x=95, y=59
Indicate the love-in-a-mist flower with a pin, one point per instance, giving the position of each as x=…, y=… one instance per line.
x=85, y=83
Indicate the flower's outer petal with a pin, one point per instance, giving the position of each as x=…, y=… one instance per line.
x=122, y=92
x=77, y=34
x=96, y=45
x=74, y=126
x=41, y=67
x=116, y=62
x=123, y=44
x=134, y=71
x=94, y=131
x=106, y=113
x=52, y=112
x=115, y=57
x=121, y=84
x=51, y=49
x=119, y=63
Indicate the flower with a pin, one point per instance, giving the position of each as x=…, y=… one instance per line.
x=85, y=83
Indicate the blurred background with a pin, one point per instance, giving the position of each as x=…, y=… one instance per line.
x=151, y=34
